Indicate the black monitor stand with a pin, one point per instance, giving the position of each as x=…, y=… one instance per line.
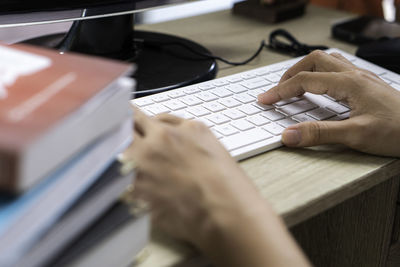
x=163, y=61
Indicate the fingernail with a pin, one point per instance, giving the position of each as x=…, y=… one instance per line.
x=291, y=137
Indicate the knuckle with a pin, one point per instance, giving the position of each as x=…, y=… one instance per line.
x=302, y=75
x=335, y=54
x=316, y=54
x=359, y=74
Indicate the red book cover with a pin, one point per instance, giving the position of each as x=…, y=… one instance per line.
x=38, y=89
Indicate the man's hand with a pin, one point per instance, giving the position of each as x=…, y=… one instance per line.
x=187, y=175
x=374, y=123
x=198, y=193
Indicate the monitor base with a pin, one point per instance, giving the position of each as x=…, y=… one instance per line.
x=163, y=61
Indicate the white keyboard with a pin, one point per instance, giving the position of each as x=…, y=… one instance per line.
x=228, y=106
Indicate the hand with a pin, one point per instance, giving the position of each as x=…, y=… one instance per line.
x=374, y=123
x=186, y=174
x=198, y=193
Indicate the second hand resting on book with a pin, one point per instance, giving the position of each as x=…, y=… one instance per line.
x=198, y=193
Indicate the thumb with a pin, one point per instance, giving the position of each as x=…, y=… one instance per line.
x=316, y=133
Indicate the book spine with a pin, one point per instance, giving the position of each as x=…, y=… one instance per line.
x=8, y=172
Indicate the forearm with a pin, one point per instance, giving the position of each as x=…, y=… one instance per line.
x=254, y=237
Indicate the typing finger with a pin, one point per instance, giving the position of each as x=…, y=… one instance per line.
x=331, y=83
x=317, y=61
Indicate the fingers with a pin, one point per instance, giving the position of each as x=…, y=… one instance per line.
x=333, y=84
x=142, y=123
x=318, y=133
x=318, y=61
x=168, y=118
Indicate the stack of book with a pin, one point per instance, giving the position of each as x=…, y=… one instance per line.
x=63, y=121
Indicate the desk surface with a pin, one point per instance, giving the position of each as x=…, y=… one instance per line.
x=299, y=183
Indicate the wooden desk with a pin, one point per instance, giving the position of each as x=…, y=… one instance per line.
x=338, y=203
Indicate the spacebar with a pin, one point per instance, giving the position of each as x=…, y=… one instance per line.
x=245, y=138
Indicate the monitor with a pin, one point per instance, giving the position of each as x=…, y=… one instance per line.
x=105, y=28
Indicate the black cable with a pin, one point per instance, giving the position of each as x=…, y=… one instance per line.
x=292, y=47
x=205, y=55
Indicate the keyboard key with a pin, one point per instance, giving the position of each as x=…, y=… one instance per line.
x=219, y=83
x=297, y=107
x=221, y=92
x=214, y=106
x=234, y=79
x=218, y=118
x=244, y=98
x=258, y=120
x=255, y=92
x=329, y=97
x=337, y=108
x=286, y=122
x=174, y=105
x=142, y=102
x=198, y=111
x=206, y=96
x=287, y=101
x=226, y=129
x=302, y=118
x=157, y=109
x=255, y=83
x=160, y=98
x=320, y=114
x=206, y=86
x=248, y=75
x=242, y=124
x=273, y=78
x=344, y=104
x=236, y=88
x=234, y=114
x=191, y=90
x=191, y=100
x=229, y=102
x=272, y=115
x=249, y=109
x=263, y=71
x=263, y=106
x=275, y=68
x=245, y=138
x=344, y=116
x=176, y=93
x=274, y=128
